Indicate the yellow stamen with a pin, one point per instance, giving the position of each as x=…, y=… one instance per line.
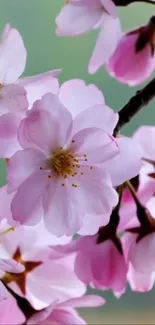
x=61, y=162
x=6, y=231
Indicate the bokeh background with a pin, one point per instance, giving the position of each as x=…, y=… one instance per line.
x=35, y=20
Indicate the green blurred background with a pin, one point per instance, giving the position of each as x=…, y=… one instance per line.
x=35, y=20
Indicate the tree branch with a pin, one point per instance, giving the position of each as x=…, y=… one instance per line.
x=135, y=104
x=123, y=3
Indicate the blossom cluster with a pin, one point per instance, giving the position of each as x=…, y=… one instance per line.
x=78, y=207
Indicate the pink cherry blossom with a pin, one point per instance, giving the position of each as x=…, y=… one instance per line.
x=58, y=163
x=44, y=280
x=134, y=59
x=16, y=95
x=10, y=314
x=88, y=109
x=101, y=265
x=79, y=17
x=141, y=261
x=61, y=313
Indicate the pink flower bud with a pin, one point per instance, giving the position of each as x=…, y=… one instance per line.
x=134, y=58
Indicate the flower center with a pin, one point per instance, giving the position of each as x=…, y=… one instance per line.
x=62, y=162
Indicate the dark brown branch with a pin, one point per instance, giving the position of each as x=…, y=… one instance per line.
x=135, y=104
x=123, y=3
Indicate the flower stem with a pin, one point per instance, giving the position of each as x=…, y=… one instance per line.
x=135, y=104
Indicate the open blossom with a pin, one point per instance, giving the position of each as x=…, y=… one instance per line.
x=100, y=264
x=71, y=158
x=65, y=313
x=63, y=170
x=81, y=16
x=17, y=95
x=43, y=280
x=10, y=314
x=134, y=58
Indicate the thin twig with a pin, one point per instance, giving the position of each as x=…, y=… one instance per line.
x=135, y=104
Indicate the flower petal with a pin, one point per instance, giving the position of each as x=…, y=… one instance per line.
x=13, y=99
x=39, y=85
x=85, y=301
x=91, y=225
x=110, y=7
x=9, y=310
x=26, y=205
x=99, y=116
x=145, y=247
x=140, y=282
x=141, y=136
x=61, y=216
x=107, y=41
x=76, y=20
x=77, y=96
x=93, y=146
x=127, y=163
x=106, y=276
x=5, y=208
x=47, y=125
x=9, y=144
x=41, y=316
x=94, y=193
x=21, y=165
x=11, y=266
x=12, y=55
x=69, y=317
x=53, y=281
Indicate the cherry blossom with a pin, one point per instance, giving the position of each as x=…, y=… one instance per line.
x=71, y=140
x=43, y=280
x=61, y=313
x=134, y=59
x=57, y=162
x=99, y=263
x=140, y=259
x=79, y=17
